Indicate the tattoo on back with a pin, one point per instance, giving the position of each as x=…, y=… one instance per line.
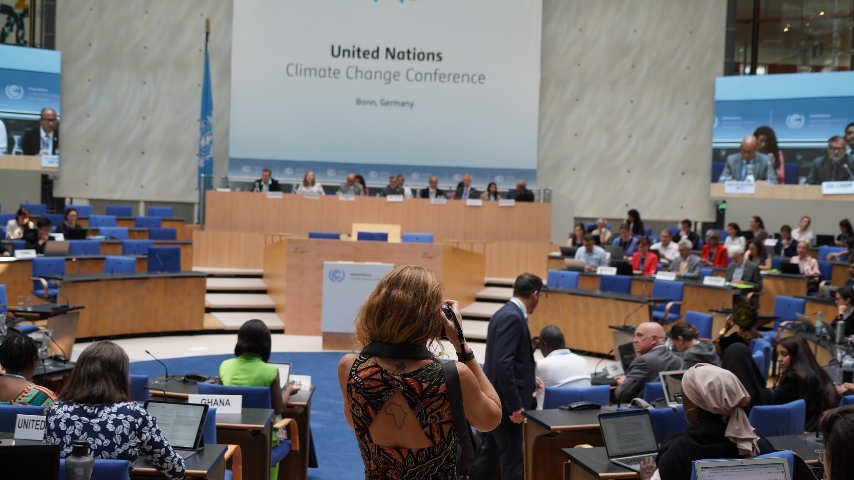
x=401, y=367
x=396, y=411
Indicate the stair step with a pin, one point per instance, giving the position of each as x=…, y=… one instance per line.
x=475, y=329
x=230, y=272
x=499, y=281
x=233, y=320
x=481, y=309
x=236, y=284
x=239, y=300
x=502, y=294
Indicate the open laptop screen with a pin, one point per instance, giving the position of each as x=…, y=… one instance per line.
x=627, y=433
x=671, y=383
x=748, y=469
x=181, y=423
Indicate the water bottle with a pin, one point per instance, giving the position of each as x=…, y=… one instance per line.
x=847, y=369
x=819, y=324
x=78, y=465
x=840, y=331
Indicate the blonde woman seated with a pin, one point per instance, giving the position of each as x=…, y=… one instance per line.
x=309, y=185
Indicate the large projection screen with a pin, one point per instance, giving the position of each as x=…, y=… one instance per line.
x=381, y=87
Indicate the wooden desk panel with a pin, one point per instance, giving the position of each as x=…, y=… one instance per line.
x=24, y=162
x=179, y=225
x=253, y=212
x=782, y=192
x=839, y=274
x=773, y=285
x=16, y=274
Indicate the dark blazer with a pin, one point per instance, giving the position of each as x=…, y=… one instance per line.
x=514, y=194
x=32, y=143
x=763, y=168
x=822, y=170
x=750, y=275
x=473, y=193
x=425, y=193
x=31, y=240
x=509, y=364
x=63, y=228
x=646, y=368
x=274, y=185
x=695, y=239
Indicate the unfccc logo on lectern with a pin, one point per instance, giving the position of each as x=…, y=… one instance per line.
x=337, y=275
x=15, y=92
x=796, y=120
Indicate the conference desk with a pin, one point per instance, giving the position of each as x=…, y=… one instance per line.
x=114, y=247
x=781, y=192
x=546, y=432
x=140, y=303
x=180, y=225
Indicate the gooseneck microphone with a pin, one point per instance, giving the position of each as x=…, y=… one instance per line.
x=165, y=368
x=64, y=355
x=596, y=368
x=845, y=165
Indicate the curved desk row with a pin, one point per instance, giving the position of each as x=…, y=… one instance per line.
x=179, y=225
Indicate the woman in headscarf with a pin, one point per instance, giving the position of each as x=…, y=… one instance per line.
x=714, y=402
x=739, y=360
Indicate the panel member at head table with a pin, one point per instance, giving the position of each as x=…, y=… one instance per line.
x=686, y=265
x=401, y=182
x=466, y=191
x=653, y=358
x=45, y=139
x=667, y=249
x=266, y=183
x=592, y=255
x=559, y=366
x=626, y=241
x=351, y=187
x=749, y=165
x=392, y=188
x=37, y=238
x=521, y=193
x=70, y=222
x=433, y=190
x=834, y=166
x=740, y=271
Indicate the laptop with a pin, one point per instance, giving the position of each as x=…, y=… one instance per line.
x=824, y=240
x=615, y=251
x=181, y=423
x=625, y=355
x=809, y=327
x=628, y=437
x=284, y=372
x=747, y=469
x=624, y=267
x=790, y=268
x=56, y=249
x=671, y=383
x=597, y=239
x=29, y=461
x=574, y=265
x=568, y=251
x=76, y=234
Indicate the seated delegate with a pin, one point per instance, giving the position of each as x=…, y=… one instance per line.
x=592, y=255
x=653, y=358
x=803, y=232
x=801, y=377
x=95, y=403
x=807, y=265
x=559, y=366
x=644, y=262
x=749, y=165
x=713, y=253
x=576, y=239
x=836, y=426
x=266, y=183
x=740, y=271
x=602, y=231
x=686, y=341
x=757, y=254
x=70, y=222
x=686, y=232
x=787, y=245
x=738, y=359
x=626, y=241
x=309, y=185
x=833, y=166
x=757, y=227
x=15, y=227
x=667, y=249
x=351, y=187
x=37, y=238
x=433, y=190
x=846, y=231
x=19, y=356
x=686, y=265
x=734, y=236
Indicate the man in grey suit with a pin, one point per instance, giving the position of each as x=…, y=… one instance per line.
x=653, y=357
x=686, y=265
x=740, y=271
x=351, y=187
x=749, y=164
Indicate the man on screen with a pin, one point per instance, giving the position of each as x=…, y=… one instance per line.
x=466, y=191
x=351, y=186
x=433, y=191
x=749, y=165
x=267, y=183
x=45, y=139
x=834, y=166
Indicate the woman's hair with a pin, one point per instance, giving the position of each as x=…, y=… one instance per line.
x=684, y=330
x=489, y=188
x=404, y=308
x=644, y=240
x=816, y=386
x=735, y=227
x=807, y=217
x=787, y=229
x=770, y=143
x=634, y=215
x=759, y=222
x=583, y=228
x=22, y=211
x=846, y=292
x=69, y=211
x=846, y=224
x=360, y=179
x=101, y=375
x=760, y=248
x=305, y=179
x=17, y=352
x=254, y=337
x=837, y=429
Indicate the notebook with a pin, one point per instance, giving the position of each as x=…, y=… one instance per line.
x=284, y=372
x=628, y=437
x=748, y=469
x=671, y=383
x=181, y=423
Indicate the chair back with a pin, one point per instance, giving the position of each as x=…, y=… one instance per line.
x=760, y=345
x=114, y=264
x=557, y=396
x=777, y=261
x=164, y=259
x=48, y=266
x=113, y=233
x=785, y=309
x=209, y=430
x=647, y=231
x=82, y=210
x=325, y=235
x=18, y=245
x=562, y=279
x=674, y=231
x=5, y=217
x=147, y=222
x=846, y=400
x=825, y=250
x=666, y=422
x=775, y=420
x=36, y=209
x=120, y=210
x=706, y=272
x=253, y=397
x=701, y=321
x=616, y=283
x=84, y=247
x=826, y=269
x=55, y=218
x=139, y=388
x=162, y=212
x=9, y=414
x=136, y=247
x=671, y=290
x=104, y=469
x=4, y=303
x=372, y=236
x=653, y=391
x=163, y=234
x=102, y=220
x=416, y=238
x=717, y=170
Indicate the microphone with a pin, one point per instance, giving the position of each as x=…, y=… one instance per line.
x=165, y=368
x=642, y=305
x=67, y=301
x=596, y=368
x=845, y=165
x=64, y=358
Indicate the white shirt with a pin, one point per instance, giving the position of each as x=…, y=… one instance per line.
x=407, y=192
x=734, y=241
x=806, y=236
x=521, y=306
x=46, y=139
x=14, y=231
x=317, y=188
x=4, y=139
x=669, y=252
x=562, y=368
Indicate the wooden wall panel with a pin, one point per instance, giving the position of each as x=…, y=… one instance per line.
x=510, y=259
x=224, y=249
x=462, y=274
x=275, y=264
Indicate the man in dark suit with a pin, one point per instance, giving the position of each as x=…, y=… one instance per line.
x=465, y=191
x=834, y=166
x=521, y=193
x=45, y=139
x=749, y=164
x=509, y=365
x=653, y=358
x=37, y=238
x=266, y=183
x=741, y=271
x=433, y=191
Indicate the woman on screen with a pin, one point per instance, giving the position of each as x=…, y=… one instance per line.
x=19, y=356
x=766, y=142
x=309, y=185
x=491, y=193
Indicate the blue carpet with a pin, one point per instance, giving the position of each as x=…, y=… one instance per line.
x=337, y=452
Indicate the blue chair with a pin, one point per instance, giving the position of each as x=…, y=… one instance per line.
x=82, y=210
x=162, y=212
x=674, y=231
x=557, y=396
x=759, y=360
x=102, y=220
x=723, y=233
x=776, y=261
x=826, y=250
x=136, y=247
x=826, y=269
x=18, y=245
x=5, y=217
x=791, y=177
x=147, y=222
x=562, y=279
x=717, y=170
x=653, y=391
x=701, y=321
x=706, y=272
x=616, y=284
x=164, y=259
x=43, y=267
x=760, y=345
x=36, y=209
x=785, y=309
x=776, y=420
x=209, y=437
x=666, y=422
x=25, y=328
x=846, y=400
x=325, y=235
x=113, y=233
x=671, y=311
x=647, y=231
x=417, y=238
x=55, y=218
x=104, y=469
x=84, y=247
x=163, y=234
x=119, y=210
x=589, y=226
x=116, y=264
x=372, y=236
x=139, y=388
x=9, y=413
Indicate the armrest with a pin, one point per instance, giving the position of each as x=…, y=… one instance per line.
x=236, y=455
x=293, y=431
x=783, y=326
x=44, y=283
x=667, y=309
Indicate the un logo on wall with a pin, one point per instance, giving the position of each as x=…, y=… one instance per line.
x=15, y=92
x=337, y=275
x=796, y=120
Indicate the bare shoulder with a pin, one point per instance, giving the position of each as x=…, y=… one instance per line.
x=465, y=373
x=346, y=364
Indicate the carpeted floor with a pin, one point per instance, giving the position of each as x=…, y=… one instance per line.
x=337, y=452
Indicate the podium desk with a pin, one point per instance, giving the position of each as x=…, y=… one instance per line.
x=592, y=463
